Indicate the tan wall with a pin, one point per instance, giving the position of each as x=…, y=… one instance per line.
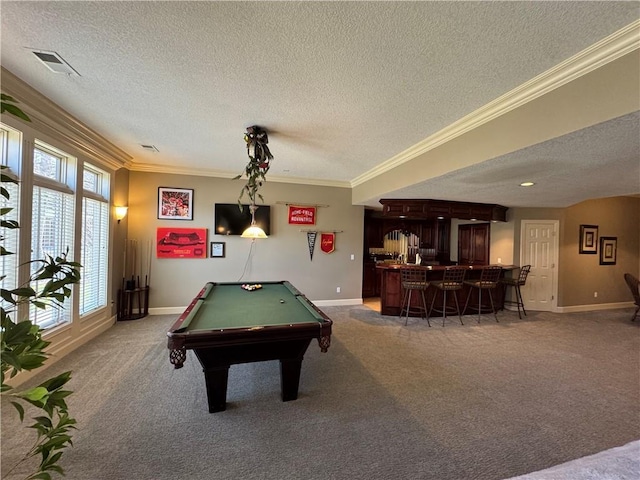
x=283, y=256
x=580, y=275
x=616, y=217
x=120, y=198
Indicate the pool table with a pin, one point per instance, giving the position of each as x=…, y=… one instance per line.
x=226, y=324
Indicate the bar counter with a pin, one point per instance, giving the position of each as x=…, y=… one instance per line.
x=391, y=291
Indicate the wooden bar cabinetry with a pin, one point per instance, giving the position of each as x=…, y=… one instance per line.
x=391, y=292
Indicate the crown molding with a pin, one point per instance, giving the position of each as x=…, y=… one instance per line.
x=616, y=45
x=48, y=117
x=176, y=170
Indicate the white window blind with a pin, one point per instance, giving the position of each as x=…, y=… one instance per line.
x=9, y=237
x=94, y=255
x=52, y=234
x=52, y=227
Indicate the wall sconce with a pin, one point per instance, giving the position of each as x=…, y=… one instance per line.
x=121, y=212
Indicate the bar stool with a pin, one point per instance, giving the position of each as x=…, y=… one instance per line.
x=413, y=279
x=452, y=281
x=489, y=277
x=517, y=282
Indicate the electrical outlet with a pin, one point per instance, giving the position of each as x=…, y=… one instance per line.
x=337, y=289
x=595, y=294
x=353, y=257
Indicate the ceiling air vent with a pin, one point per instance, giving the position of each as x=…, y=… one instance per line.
x=54, y=62
x=150, y=148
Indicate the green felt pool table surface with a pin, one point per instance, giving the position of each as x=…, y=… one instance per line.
x=228, y=305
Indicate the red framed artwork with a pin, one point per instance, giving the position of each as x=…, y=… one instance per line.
x=175, y=203
x=302, y=215
x=181, y=243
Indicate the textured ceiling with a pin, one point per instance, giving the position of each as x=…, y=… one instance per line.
x=341, y=87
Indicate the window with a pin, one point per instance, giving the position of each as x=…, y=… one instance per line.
x=95, y=240
x=10, y=142
x=52, y=224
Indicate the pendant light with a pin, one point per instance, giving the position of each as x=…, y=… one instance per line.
x=254, y=231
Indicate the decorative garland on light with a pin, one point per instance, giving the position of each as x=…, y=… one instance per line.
x=258, y=166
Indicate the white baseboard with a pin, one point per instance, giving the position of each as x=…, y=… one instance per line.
x=337, y=303
x=591, y=308
x=358, y=301
x=167, y=310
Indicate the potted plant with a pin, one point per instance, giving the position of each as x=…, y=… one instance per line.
x=23, y=347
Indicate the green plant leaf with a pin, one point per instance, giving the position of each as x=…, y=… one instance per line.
x=15, y=111
x=20, y=410
x=39, y=476
x=57, y=381
x=35, y=394
x=23, y=292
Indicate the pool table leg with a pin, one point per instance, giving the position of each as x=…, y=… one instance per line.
x=216, y=381
x=290, y=377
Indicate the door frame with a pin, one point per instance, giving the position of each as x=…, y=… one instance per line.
x=556, y=248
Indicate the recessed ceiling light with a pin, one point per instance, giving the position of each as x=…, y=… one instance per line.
x=527, y=184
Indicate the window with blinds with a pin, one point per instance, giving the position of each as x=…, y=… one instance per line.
x=9, y=237
x=95, y=240
x=52, y=228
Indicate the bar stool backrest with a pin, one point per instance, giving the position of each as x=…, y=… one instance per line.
x=489, y=276
x=415, y=278
x=453, y=277
x=524, y=271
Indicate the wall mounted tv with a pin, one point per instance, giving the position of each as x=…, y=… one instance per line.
x=229, y=220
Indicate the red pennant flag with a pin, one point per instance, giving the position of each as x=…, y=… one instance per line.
x=327, y=242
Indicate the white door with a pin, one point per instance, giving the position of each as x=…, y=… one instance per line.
x=539, y=248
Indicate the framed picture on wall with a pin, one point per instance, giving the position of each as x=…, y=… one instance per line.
x=608, y=249
x=181, y=242
x=589, y=239
x=217, y=250
x=175, y=203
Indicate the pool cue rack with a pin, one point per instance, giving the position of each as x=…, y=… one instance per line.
x=133, y=296
x=133, y=300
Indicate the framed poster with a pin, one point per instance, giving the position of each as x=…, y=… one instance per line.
x=175, y=203
x=589, y=239
x=608, y=249
x=217, y=249
x=181, y=243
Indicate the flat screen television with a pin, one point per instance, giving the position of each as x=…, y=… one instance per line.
x=229, y=220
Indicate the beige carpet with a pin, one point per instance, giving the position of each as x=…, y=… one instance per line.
x=481, y=401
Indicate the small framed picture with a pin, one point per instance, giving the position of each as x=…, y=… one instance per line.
x=175, y=203
x=608, y=248
x=217, y=249
x=589, y=239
